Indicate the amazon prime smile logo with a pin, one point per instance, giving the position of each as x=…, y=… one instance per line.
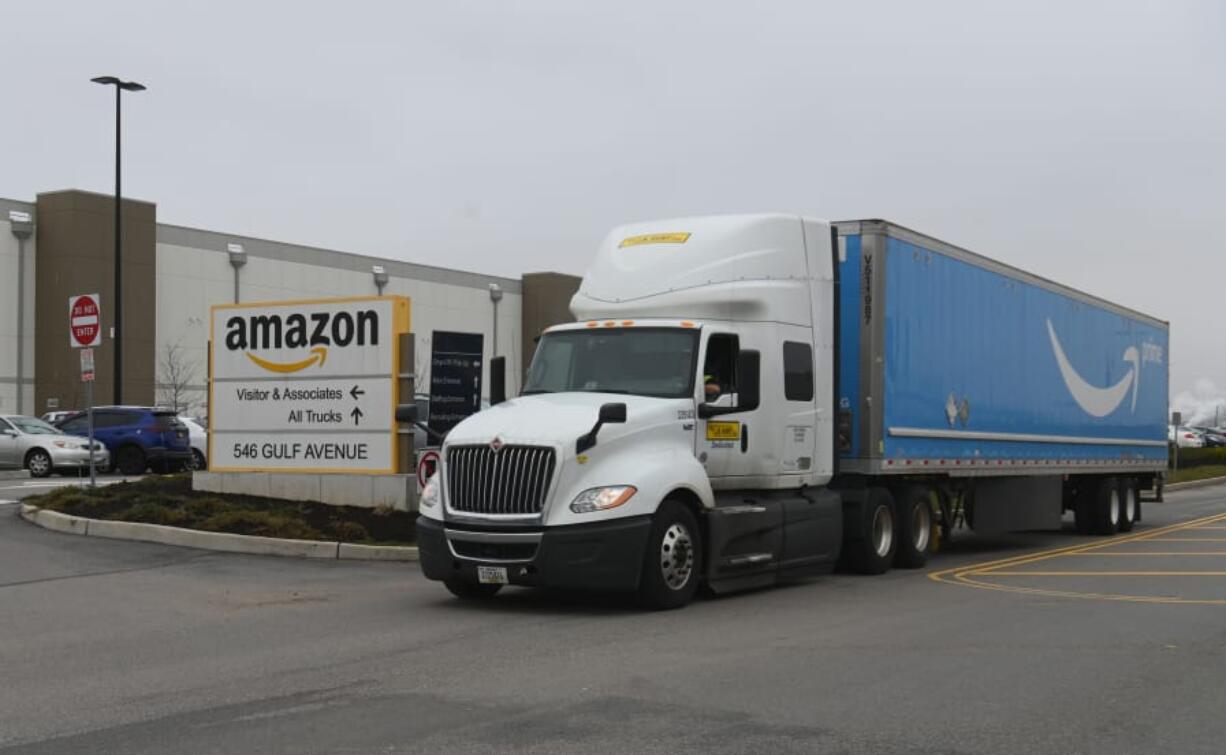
x=1096, y=401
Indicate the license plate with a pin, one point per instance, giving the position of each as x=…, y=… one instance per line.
x=492, y=575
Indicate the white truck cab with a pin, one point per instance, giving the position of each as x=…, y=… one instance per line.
x=681, y=431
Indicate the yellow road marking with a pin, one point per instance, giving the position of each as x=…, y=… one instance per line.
x=1154, y=553
x=1102, y=573
x=1212, y=527
x=1188, y=540
x=962, y=575
x=1057, y=552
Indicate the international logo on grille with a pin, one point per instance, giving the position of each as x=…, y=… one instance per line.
x=496, y=444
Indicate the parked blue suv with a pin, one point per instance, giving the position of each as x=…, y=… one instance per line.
x=138, y=437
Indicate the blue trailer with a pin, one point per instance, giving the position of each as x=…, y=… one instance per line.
x=955, y=365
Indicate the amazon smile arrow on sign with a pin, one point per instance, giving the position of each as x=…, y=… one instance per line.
x=305, y=385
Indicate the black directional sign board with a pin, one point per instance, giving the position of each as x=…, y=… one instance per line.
x=455, y=378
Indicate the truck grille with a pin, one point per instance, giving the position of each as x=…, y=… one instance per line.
x=512, y=480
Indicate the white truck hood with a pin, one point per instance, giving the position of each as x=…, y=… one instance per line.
x=560, y=418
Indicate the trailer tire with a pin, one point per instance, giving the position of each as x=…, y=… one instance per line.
x=1107, y=506
x=470, y=590
x=672, y=560
x=1129, y=505
x=1083, y=507
x=871, y=550
x=914, y=530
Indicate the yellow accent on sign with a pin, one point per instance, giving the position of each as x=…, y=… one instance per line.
x=318, y=354
x=723, y=431
x=654, y=238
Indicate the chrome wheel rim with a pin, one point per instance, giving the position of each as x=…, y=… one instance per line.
x=1114, y=511
x=1130, y=505
x=39, y=463
x=921, y=527
x=676, y=556
x=883, y=531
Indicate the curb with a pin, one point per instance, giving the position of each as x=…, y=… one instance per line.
x=1177, y=486
x=214, y=541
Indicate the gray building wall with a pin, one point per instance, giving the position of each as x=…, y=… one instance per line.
x=174, y=274
x=16, y=291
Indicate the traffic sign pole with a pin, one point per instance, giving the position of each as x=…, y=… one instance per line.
x=87, y=377
x=89, y=408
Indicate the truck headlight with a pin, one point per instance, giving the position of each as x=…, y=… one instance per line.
x=599, y=499
x=430, y=493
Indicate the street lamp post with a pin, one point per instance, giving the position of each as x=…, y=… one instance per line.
x=120, y=86
x=495, y=297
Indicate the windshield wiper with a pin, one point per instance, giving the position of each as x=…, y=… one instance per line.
x=534, y=391
x=608, y=390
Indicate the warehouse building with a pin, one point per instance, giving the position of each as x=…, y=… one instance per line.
x=62, y=244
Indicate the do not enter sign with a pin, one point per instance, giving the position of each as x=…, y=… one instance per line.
x=84, y=321
x=427, y=465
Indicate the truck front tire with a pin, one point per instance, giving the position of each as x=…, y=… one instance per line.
x=673, y=558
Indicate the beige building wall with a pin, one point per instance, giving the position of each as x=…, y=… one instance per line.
x=76, y=255
x=546, y=299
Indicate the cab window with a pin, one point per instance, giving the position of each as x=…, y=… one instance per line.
x=797, y=371
x=719, y=369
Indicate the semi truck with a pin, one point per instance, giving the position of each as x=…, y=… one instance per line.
x=753, y=398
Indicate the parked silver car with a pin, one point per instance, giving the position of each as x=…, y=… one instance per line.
x=198, y=434
x=29, y=443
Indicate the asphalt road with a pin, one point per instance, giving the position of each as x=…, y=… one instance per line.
x=113, y=647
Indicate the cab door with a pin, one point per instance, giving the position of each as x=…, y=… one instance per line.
x=729, y=440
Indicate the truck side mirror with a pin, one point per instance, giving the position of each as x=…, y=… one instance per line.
x=498, y=380
x=749, y=380
x=406, y=413
x=611, y=414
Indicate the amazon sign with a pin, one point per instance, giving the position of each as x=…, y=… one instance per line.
x=306, y=385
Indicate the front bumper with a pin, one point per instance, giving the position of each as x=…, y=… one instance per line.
x=74, y=458
x=598, y=556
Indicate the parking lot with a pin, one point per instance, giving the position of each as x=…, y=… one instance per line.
x=1179, y=563
x=1028, y=643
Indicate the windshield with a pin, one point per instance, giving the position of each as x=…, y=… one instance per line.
x=33, y=426
x=641, y=361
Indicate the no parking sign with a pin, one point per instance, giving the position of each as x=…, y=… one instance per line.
x=427, y=465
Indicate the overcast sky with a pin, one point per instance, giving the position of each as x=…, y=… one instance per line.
x=1085, y=142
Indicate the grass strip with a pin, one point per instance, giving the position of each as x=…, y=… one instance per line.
x=1197, y=473
x=170, y=500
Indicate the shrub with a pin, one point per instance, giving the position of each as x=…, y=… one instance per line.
x=1199, y=457
x=262, y=523
x=350, y=532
